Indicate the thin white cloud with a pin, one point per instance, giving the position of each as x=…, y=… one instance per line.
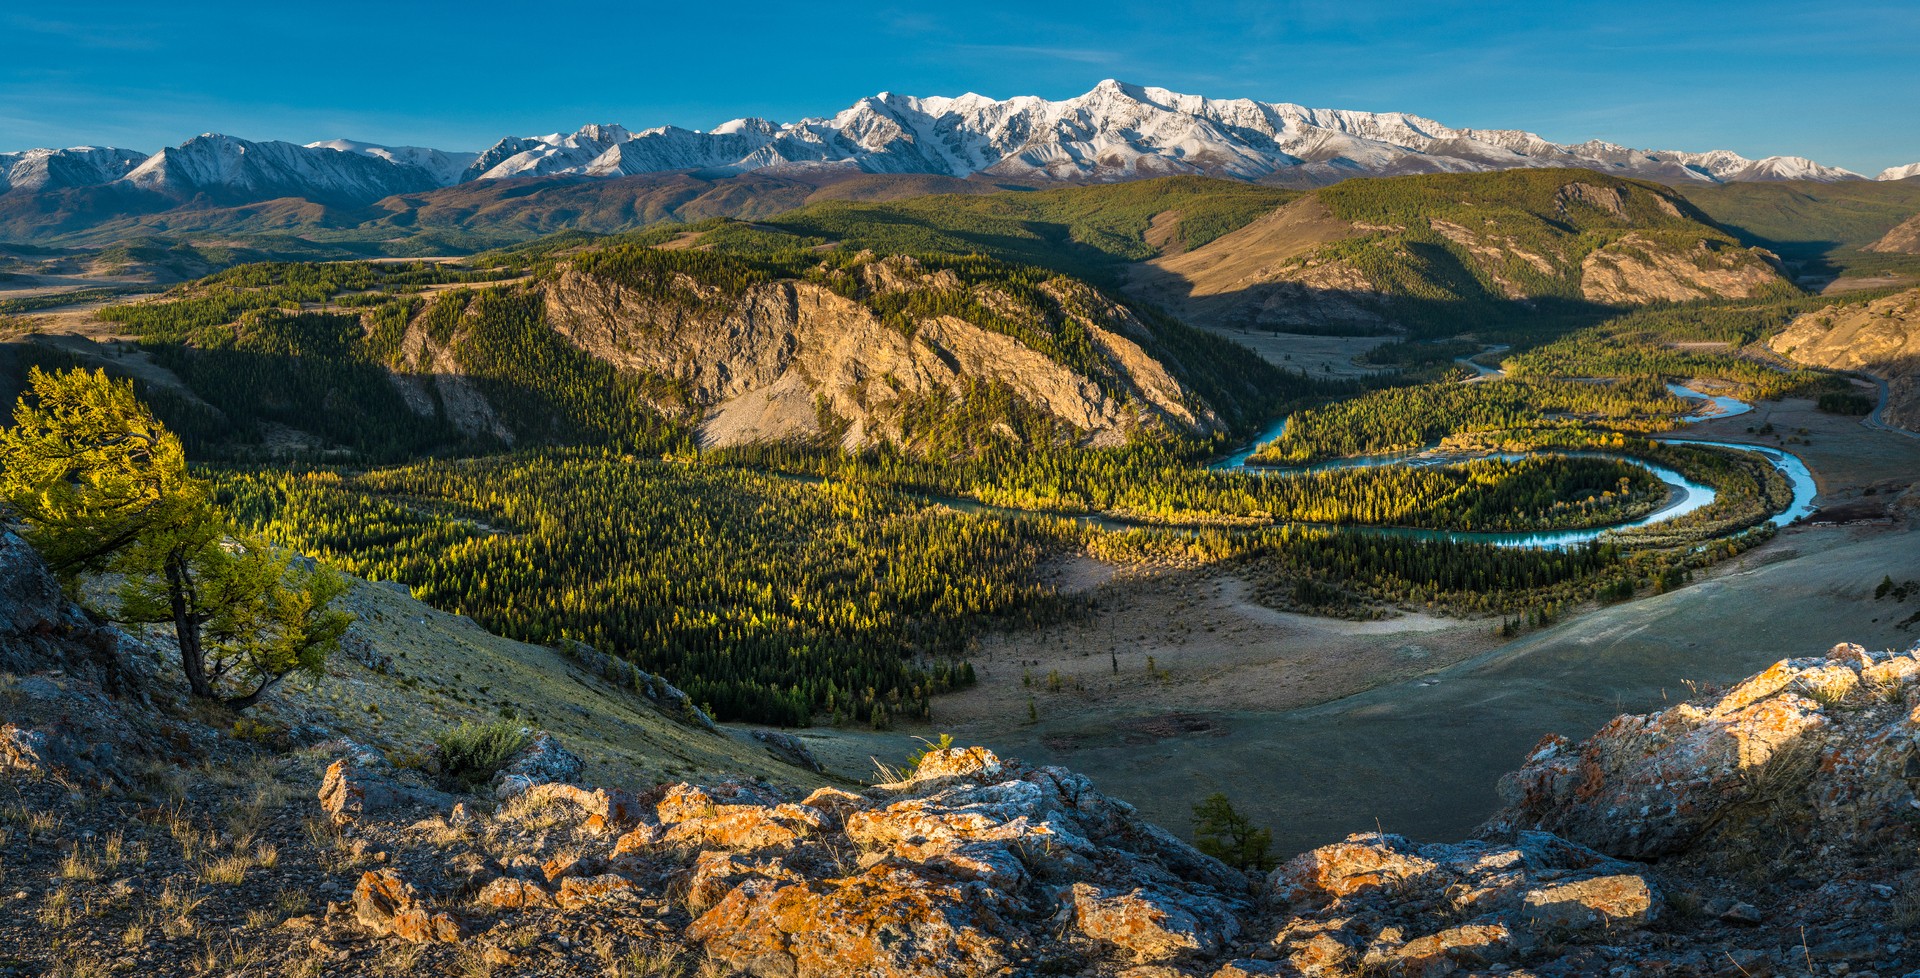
x=1090, y=56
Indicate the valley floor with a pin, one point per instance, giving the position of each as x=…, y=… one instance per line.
x=1319, y=727
x=1435, y=715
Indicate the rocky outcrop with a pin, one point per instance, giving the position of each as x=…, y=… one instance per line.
x=795, y=359
x=1881, y=337
x=361, y=781
x=1815, y=754
x=973, y=866
x=352, y=788
x=1746, y=831
x=1381, y=902
x=1640, y=268
x=386, y=904
x=542, y=761
x=41, y=632
x=654, y=688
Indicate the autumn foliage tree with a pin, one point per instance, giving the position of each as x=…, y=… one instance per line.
x=102, y=487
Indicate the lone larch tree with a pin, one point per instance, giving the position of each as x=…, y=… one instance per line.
x=101, y=486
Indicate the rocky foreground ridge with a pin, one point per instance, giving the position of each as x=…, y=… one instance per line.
x=1765, y=829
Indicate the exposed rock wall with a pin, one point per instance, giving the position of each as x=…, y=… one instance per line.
x=785, y=358
x=1636, y=269
x=1880, y=337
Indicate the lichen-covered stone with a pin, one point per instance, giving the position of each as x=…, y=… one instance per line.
x=386, y=904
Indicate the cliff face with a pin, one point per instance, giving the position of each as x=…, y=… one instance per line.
x=1637, y=269
x=1881, y=337
x=794, y=359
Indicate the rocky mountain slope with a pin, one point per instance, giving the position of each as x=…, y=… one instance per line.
x=1340, y=258
x=1881, y=337
x=230, y=170
x=1764, y=829
x=1902, y=240
x=796, y=359
x=56, y=169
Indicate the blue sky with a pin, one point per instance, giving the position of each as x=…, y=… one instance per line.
x=1836, y=82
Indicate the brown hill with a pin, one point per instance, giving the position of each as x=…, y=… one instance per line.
x=1881, y=337
x=1366, y=255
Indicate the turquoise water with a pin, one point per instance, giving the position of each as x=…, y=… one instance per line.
x=1685, y=495
x=1722, y=407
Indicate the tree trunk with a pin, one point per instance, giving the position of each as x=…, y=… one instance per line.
x=186, y=626
x=242, y=702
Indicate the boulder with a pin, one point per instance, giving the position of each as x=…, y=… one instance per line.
x=388, y=905
x=509, y=893
x=1364, y=863
x=746, y=827
x=715, y=874
x=976, y=763
x=581, y=892
x=1600, y=904
x=1442, y=952
x=542, y=761
x=891, y=921
x=1151, y=925
x=606, y=809
x=352, y=788
x=681, y=802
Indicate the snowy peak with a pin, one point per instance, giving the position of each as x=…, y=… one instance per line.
x=58, y=169
x=1725, y=167
x=1115, y=131
x=537, y=156
x=225, y=167
x=1907, y=172
x=444, y=167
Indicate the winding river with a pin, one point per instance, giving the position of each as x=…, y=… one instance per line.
x=1685, y=495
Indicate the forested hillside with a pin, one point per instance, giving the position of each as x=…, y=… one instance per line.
x=717, y=334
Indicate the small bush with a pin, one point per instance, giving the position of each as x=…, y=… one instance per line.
x=471, y=754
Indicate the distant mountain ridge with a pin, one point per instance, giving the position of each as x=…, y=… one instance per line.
x=1116, y=131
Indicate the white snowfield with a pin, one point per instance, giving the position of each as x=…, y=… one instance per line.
x=1907, y=172
x=1116, y=131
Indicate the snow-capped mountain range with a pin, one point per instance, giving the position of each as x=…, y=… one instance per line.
x=1114, y=132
